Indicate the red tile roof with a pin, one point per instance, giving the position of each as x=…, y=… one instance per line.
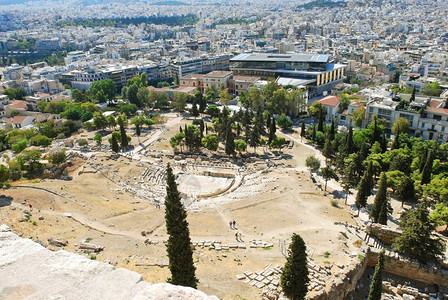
x=330, y=101
x=18, y=104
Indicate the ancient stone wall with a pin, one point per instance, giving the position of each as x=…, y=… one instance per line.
x=348, y=277
x=346, y=280
x=385, y=233
x=412, y=269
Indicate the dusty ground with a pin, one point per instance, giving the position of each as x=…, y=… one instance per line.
x=268, y=206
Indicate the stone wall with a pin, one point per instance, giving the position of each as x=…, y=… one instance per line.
x=412, y=269
x=385, y=233
x=347, y=278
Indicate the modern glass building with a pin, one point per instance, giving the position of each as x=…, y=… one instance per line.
x=321, y=75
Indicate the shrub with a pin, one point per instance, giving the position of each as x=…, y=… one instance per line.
x=83, y=142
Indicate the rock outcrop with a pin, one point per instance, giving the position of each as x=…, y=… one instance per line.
x=30, y=271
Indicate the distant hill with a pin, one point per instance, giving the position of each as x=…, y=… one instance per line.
x=9, y=2
x=323, y=3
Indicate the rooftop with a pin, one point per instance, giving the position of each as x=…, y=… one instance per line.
x=330, y=101
x=218, y=74
x=281, y=57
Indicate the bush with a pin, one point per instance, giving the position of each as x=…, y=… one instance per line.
x=334, y=203
x=197, y=122
x=58, y=157
x=82, y=142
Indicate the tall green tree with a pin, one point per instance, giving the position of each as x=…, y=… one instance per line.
x=349, y=145
x=377, y=281
x=114, y=143
x=230, y=142
x=122, y=121
x=272, y=130
x=328, y=173
x=406, y=190
x=294, y=278
x=416, y=239
x=364, y=189
x=427, y=169
x=380, y=198
x=303, y=129
x=178, y=247
x=327, y=151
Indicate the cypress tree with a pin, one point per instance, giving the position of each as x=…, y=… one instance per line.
x=202, y=102
x=350, y=147
x=406, y=190
x=124, y=137
x=412, y=95
x=268, y=122
x=320, y=125
x=383, y=143
x=396, y=143
x=327, y=151
x=427, y=169
x=178, y=247
x=302, y=131
x=380, y=198
x=272, y=130
x=377, y=280
x=385, y=210
x=294, y=278
x=313, y=136
x=194, y=109
x=114, y=144
x=332, y=130
x=230, y=142
x=201, y=128
x=364, y=190
x=180, y=128
x=423, y=159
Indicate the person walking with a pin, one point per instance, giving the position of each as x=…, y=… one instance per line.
x=230, y=224
x=234, y=223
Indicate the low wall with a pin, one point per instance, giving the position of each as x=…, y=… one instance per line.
x=346, y=281
x=348, y=277
x=385, y=233
x=402, y=266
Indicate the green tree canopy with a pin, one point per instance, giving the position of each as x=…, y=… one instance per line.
x=294, y=278
x=178, y=247
x=416, y=241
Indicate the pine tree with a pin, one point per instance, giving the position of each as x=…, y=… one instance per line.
x=302, y=131
x=377, y=281
x=416, y=239
x=380, y=198
x=178, y=247
x=427, y=169
x=294, y=278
